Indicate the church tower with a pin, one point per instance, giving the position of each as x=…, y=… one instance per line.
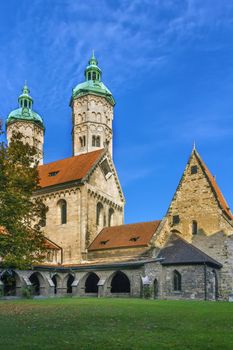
x=27, y=122
x=92, y=112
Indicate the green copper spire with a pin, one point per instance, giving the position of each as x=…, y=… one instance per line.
x=92, y=71
x=25, y=100
x=25, y=112
x=93, y=82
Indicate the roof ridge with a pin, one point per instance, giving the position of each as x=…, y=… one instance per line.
x=79, y=155
x=218, y=193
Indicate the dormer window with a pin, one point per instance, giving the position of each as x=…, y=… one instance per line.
x=134, y=239
x=53, y=173
x=104, y=242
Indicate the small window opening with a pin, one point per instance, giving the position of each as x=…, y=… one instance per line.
x=93, y=141
x=53, y=173
x=175, y=219
x=194, y=227
x=104, y=242
x=25, y=103
x=105, y=167
x=98, y=141
x=89, y=76
x=94, y=76
x=134, y=239
x=194, y=169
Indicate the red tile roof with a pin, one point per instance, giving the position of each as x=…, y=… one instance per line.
x=221, y=200
x=125, y=236
x=69, y=169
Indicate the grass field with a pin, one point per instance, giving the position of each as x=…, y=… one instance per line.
x=94, y=324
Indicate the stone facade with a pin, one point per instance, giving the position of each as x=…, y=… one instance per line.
x=79, y=208
x=92, y=118
x=32, y=133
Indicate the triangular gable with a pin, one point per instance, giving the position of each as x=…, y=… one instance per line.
x=107, y=156
x=212, y=182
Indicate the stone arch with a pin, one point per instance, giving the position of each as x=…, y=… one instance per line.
x=98, y=117
x=38, y=282
x=93, y=116
x=69, y=279
x=11, y=282
x=120, y=283
x=57, y=283
x=91, y=283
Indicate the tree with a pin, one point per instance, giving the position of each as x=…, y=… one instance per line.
x=21, y=214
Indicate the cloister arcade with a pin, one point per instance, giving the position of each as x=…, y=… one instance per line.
x=46, y=283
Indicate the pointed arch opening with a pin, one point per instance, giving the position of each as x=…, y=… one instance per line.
x=37, y=282
x=120, y=283
x=56, y=281
x=91, y=284
x=70, y=280
x=177, y=281
x=11, y=281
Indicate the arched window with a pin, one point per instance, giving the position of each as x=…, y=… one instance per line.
x=25, y=103
x=110, y=217
x=89, y=76
x=84, y=141
x=120, y=283
x=99, y=214
x=81, y=141
x=94, y=76
x=176, y=281
x=98, y=141
x=93, y=141
x=194, y=227
x=63, y=211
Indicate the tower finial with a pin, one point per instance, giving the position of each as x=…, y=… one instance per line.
x=194, y=145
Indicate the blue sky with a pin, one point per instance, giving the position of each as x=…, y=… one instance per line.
x=169, y=65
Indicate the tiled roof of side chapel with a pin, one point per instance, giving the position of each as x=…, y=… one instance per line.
x=124, y=236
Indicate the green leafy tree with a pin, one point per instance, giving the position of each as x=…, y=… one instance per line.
x=21, y=215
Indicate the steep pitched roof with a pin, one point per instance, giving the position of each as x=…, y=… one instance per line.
x=178, y=251
x=218, y=194
x=67, y=170
x=124, y=236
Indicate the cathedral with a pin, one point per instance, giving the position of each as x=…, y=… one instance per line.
x=187, y=254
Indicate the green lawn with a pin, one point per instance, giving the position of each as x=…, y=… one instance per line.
x=72, y=323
